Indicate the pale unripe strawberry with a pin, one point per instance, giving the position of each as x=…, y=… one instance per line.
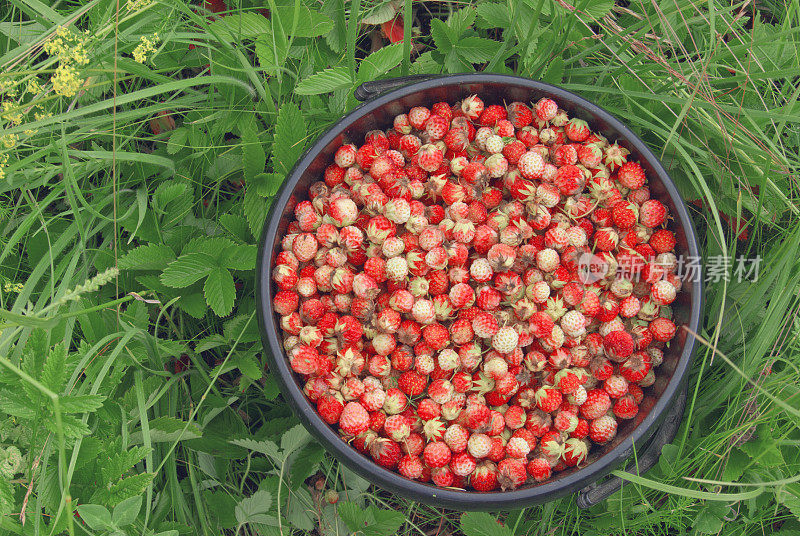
x=493, y=144
x=517, y=447
x=481, y=270
x=396, y=268
x=397, y=210
x=531, y=165
x=472, y=107
x=505, y=340
x=547, y=260
x=546, y=109
x=342, y=212
x=573, y=323
x=495, y=367
x=479, y=445
x=663, y=292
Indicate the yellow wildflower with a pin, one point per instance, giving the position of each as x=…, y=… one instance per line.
x=136, y=5
x=146, y=45
x=3, y=163
x=12, y=117
x=7, y=87
x=41, y=115
x=66, y=81
x=33, y=87
x=13, y=287
x=9, y=141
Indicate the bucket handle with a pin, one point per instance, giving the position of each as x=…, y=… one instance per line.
x=597, y=492
x=371, y=89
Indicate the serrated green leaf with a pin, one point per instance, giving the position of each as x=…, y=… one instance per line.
x=254, y=509
x=267, y=184
x=483, y=524
x=177, y=140
x=271, y=51
x=290, y=133
x=248, y=366
x=442, y=36
x=735, y=465
x=380, y=62
x=16, y=404
x=253, y=156
x=382, y=12
x=310, y=23
x=477, y=49
x=240, y=25
x=265, y=447
x=212, y=246
x=337, y=37
x=461, y=20
x=167, y=430
x=187, y=269
x=6, y=497
x=54, y=371
x=493, y=15
x=371, y=521
x=324, y=81
x=294, y=438
x=124, y=489
x=306, y=462
x=236, y=225
x=81, y=403
x=147, y=257
x=239, y=257
x=96, y=516
x=220, y=291
x=193, y=304
x=255, y=209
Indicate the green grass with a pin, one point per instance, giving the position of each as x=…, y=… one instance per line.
x=140, y=400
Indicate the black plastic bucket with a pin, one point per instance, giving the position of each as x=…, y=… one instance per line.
x=662, y=409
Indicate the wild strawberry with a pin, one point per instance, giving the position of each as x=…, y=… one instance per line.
x=539, y=469
x=511, y=473
x=436, y=335
x=618, y=345
x=552, y=443
x=436, y=127
x=597, y=403
x=625, y=407
x=548, y=398
x=575, y=451
x=547, y=260
x=546, y=109
x=662, y=329
x=631, y=175
x=462, y=464
x=652, y=213
x=603, y=429
x=662, y=241
x=531, y=165
x=412, y=383
x=577, y=130
x=505, y=340
x=430, y=157
x=484, y=325
x=663, y=292
x=477, y=417
x=484, y=477
x=410, y=467
x=437, y=454
x=624, y=214
x=472, y=107
x=615, y=386
x=354, y=419
x=442, y=477
x=519, y=114
x=385, y=452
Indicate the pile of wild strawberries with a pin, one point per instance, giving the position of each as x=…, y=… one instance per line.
x=434, y=300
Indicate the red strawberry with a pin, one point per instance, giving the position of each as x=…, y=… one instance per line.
x=437, y=454
x=354, y=419
x=511, y=473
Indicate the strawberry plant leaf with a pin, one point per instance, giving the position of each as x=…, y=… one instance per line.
x=382, y=12
x=477, y=49
x=443, y=36
x=493, y=15
x=255, y=209
x=371, y=521
x=265, y=447
x=306, y=462
x=380, y=62
x=460, y=21
x=193, y=304
x=6, y=497
x=310, y=23
x=337, y=37
x=240, y=25
x=177, y=140
x=187, y=269
x=290, y=133
x=254, y=509
x=147, y=257
x=271, y=50
x=169, y=429
x=239, y=257
x=324, y=81
x=253, y=156
x=220, y=291
x=483, y=524
x=54, y=373
x=237, y=226
x=294, y=438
